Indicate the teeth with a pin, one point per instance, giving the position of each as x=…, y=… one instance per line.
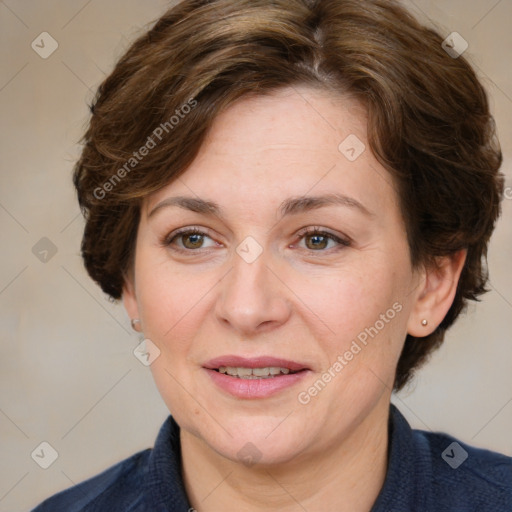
x=261, y=372
x=253, y=373
x=241, y=372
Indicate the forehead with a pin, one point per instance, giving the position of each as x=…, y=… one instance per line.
x=287, y=143
x=312, y=119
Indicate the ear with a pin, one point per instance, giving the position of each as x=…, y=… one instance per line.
x=435, y=294
x=130, y=301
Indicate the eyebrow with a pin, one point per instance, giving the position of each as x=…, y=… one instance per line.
x=291, y=206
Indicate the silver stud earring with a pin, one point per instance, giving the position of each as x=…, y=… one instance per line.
x=135, y=322
x=424, y=322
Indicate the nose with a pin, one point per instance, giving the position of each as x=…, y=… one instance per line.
x=253, y=297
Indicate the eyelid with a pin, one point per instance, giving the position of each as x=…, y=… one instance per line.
x=341, y=240
x=187, y=230
x=319, y=229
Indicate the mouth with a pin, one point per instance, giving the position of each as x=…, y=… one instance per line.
x=269, y=372
x=257, y=377
x=259, y=367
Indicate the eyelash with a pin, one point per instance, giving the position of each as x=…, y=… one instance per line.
x=342, y=242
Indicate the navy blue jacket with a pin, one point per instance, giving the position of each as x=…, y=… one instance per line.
x=426, y=472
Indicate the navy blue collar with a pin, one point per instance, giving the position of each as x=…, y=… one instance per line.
x=426, y=472
x=164, y=483
x=420, y=477
x=403, y=488
x=166, y=490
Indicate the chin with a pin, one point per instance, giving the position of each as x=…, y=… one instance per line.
x=259, y=452
x=258, y=440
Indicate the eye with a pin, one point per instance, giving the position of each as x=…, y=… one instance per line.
x=318, y=240
x=188, y=240
x=193, y=239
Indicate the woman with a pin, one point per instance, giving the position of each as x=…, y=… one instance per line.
x=293, y=199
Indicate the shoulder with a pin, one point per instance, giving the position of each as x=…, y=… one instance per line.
x=117, y=488
x=434, y=471
x=150, y=480
x=464, y=477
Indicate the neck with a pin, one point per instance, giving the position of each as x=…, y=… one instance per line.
x=345, y=477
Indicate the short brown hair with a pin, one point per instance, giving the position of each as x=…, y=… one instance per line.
x=428, y=123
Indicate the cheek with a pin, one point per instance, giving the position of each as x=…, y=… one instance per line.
x=348, y=301
x=360, y=325
x=169, y=299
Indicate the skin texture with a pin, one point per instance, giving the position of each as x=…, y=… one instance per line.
x=304, y=299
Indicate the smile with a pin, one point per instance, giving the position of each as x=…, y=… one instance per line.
x=254, y=373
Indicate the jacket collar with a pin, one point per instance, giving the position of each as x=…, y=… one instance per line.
x=402, y=490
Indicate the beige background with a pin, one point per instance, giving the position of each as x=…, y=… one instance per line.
x=67, y=372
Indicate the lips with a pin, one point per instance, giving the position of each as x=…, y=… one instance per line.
x=254, y=362
x=247, y=378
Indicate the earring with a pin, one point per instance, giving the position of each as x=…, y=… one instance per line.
x=135, y=322
x=424, y=322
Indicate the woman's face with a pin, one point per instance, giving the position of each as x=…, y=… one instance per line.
x=281, y=247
